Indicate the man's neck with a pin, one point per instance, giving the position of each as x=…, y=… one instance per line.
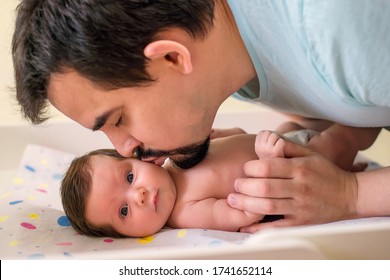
x=235, y=53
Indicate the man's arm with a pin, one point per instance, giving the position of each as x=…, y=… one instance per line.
x=373, y=196
x=338, y=143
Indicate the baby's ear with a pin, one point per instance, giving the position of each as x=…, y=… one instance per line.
x=173, y=53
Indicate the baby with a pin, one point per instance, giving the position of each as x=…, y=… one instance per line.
x=105, y=194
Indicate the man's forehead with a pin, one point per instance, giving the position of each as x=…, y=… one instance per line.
x=80, y=99
x=67, y=87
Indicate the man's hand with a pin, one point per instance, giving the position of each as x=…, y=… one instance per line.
x=305, y=187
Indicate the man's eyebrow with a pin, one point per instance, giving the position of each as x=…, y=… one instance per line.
x=101, y=120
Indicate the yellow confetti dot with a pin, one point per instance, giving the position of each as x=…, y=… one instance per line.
x=31, y=197
x=14, y=243
x=3, y=218
x=18, y=181
x=146, y=240
x=34, y=216
x=43, y=185
x=182, y=233
x=44, y=161
x=4, y=195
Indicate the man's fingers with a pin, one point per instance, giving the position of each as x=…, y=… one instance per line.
x=266, y=188
x=286, y=222
x=292, y=150
x=269, y=168
x=283, y=168
x=259, y=205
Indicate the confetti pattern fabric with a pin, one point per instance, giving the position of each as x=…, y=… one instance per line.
x=34, y=226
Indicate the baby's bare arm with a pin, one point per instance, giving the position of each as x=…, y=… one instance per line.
x=212, y=213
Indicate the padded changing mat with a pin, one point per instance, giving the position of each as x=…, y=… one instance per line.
x=34, y=226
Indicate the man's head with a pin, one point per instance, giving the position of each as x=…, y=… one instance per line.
x=104, y=194
x=118, y=66
x=103, y=41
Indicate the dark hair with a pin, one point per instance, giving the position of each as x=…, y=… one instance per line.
x=102, y=40
x=75, y=188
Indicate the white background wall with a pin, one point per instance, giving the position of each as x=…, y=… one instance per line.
x=10, y=114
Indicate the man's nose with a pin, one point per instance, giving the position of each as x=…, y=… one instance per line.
x=123, y=143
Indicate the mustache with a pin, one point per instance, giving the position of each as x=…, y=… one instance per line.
x=186, y=157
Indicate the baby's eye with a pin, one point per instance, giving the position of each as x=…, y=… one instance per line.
x=124, y=210
x=130, y=177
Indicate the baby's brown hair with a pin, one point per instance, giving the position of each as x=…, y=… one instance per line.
x=75, y=188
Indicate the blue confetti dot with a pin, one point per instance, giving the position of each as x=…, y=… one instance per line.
x=36, y=257
x=63, y=221
x=66, y=254
x=30, y=168
x=215, y=243
x=57, y=176
x=15, y=202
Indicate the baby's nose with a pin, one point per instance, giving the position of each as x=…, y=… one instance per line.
x=140, y=196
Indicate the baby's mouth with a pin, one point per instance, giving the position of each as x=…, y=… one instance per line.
x=155, y=200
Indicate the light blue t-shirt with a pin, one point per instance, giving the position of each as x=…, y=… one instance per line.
x=322, y=59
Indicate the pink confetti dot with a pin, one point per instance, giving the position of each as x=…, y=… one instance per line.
x=65, y=244
x=28, y=226
x=41, y=190
x=108, y=240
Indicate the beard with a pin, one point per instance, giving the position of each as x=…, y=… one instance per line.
x=185, y=157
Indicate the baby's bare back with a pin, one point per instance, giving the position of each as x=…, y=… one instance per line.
x=213, y=179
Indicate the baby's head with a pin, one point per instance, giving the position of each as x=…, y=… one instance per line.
x=105, y=194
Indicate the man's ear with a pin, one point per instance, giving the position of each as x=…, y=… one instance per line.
x=174, y=53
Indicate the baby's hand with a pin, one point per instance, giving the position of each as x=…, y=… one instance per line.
x=269, y=145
